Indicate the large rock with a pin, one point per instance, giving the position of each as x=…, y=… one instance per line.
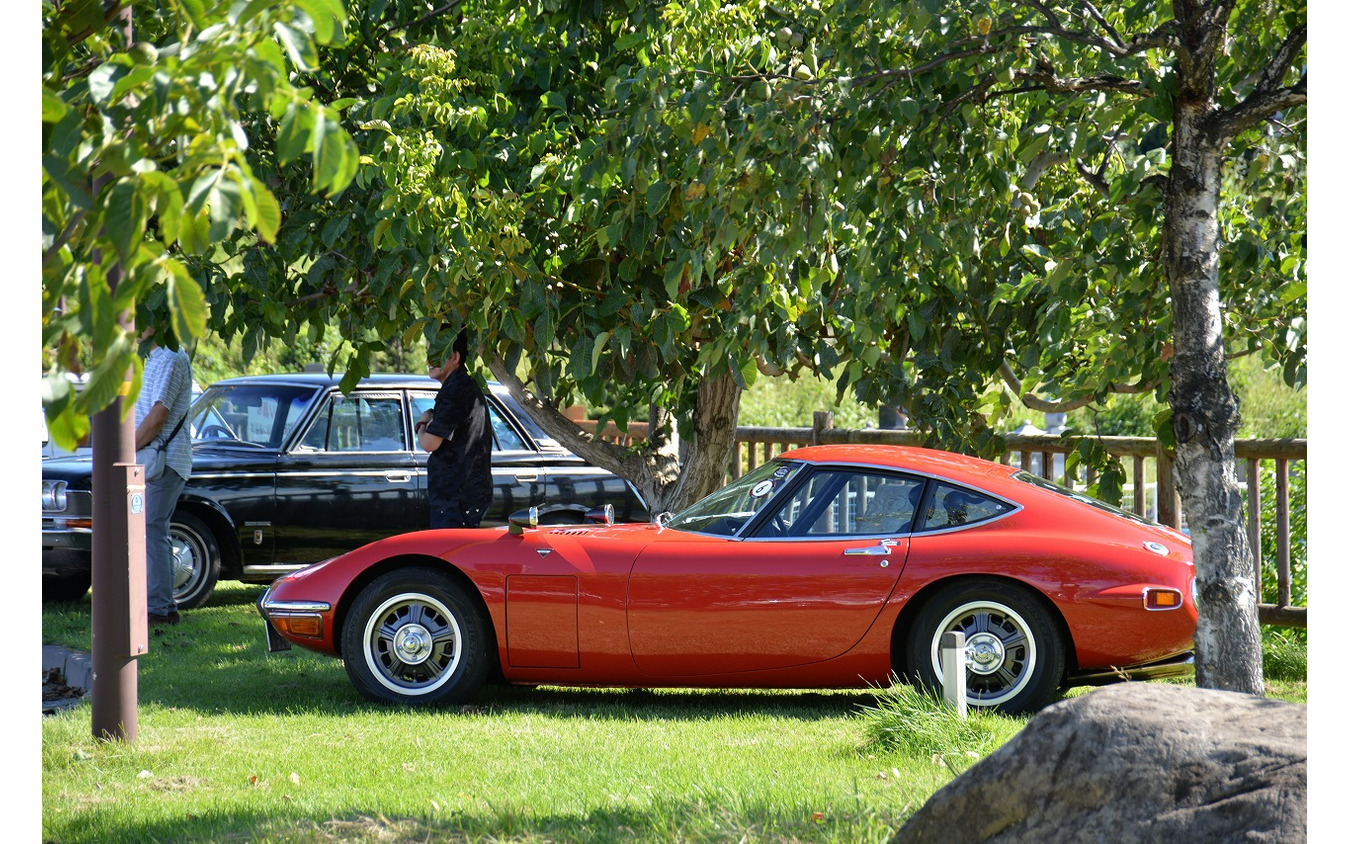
x=1135, y=762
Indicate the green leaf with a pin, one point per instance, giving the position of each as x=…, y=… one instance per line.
x=657, y=195
x=53, y=107
x=293, y=134
x=267, y=214
x=193, y=232
x=329, y=18
x=335, y=155
x=187, y=305
x=125, y=217
x=298, y=45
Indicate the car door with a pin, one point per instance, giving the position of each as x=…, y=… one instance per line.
x=801, y=583
x=517, y=479
x=350, y=480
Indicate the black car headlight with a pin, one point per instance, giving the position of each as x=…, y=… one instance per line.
x=53, y=495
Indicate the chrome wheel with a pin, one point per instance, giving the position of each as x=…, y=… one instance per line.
x=1014, y=652
x=1000, y=653
x=196, y=560
x=412, y=644
x=417, y=636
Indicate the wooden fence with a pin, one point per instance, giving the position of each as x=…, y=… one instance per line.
x=1150, y=490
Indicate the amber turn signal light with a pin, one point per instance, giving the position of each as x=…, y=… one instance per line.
x=1162, y=599
x=308, y=626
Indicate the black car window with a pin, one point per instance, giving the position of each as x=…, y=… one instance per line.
x=359, y=423
x=504, y=435
x=953, y=506
x=846, y=503
x=256, y=415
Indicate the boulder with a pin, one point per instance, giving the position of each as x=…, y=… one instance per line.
x=1135, y=762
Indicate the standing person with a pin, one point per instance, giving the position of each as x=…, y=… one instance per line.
x=457, y=435
x=161, y=417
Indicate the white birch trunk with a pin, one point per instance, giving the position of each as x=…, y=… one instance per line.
x=1204, y=410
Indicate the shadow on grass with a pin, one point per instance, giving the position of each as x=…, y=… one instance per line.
x=728, y=817
x=216, y=661
x=237, y=675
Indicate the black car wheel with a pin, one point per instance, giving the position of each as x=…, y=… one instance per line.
x=414, y=637
x=1014, y=651
x=68, y=588
x=196, y=560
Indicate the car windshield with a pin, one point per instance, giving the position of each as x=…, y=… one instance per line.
x=724, y=512
x=253, y=415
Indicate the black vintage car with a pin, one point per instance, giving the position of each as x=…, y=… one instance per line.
x=288, y=471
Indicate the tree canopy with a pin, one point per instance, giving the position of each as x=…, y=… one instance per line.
x=148, y=164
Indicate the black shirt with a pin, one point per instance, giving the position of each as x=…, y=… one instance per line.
x=461, y=469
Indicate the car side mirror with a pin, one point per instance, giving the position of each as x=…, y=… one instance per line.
x=601, y=515
x=522, y=519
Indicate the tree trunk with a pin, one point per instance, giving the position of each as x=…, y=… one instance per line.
x=1205, y=412
x=655, y=467
x=705, y=469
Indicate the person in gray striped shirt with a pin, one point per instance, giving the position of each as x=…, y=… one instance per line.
x=161, y=415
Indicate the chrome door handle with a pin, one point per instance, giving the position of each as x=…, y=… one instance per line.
x=398, y=477
x=526, y=479
x=871, y=551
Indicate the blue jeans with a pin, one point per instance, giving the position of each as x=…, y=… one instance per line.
x=161, y=496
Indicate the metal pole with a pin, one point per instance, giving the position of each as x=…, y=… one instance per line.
x=117, y=619
x=117, y=614
x=953, y=654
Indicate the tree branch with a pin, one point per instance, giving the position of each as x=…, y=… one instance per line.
x=1043, y=406
x=434, y=13
x=1257, y=108
x=1269, y=97
x=1046, y=77
x=583, y=443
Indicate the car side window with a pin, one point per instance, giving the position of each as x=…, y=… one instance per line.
x=352, y=423
x=504, y=436
x=954, y=506
x=846, y=503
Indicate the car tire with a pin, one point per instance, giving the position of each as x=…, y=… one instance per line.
x=196, y=560
x=414, y=636
x=67, y=588
x=1015, y=653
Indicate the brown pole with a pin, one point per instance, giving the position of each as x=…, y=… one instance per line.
x=117, y=616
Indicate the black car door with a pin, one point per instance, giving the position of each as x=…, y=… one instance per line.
x=351, y=479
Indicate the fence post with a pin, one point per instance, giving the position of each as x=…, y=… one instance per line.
x=953, y=647
x=821, y=420
x=1169, y=502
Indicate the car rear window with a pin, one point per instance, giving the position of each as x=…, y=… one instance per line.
x=951, y=506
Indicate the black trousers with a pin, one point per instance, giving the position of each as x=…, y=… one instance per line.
x=451, y=514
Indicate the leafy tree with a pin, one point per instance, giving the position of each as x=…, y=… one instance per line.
x=146, y=167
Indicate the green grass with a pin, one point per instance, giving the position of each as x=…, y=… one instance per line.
x=234, y=744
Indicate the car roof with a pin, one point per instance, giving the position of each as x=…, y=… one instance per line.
x=323, y=379
x=394, y=381
x=911, y=458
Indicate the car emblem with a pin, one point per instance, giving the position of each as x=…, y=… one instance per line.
x=1156, y=547
x=543, y=552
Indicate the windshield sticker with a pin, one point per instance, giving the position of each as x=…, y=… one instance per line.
x=762, y=489
x=781, y=473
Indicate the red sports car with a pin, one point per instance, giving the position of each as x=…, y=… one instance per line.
x=827, y=567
